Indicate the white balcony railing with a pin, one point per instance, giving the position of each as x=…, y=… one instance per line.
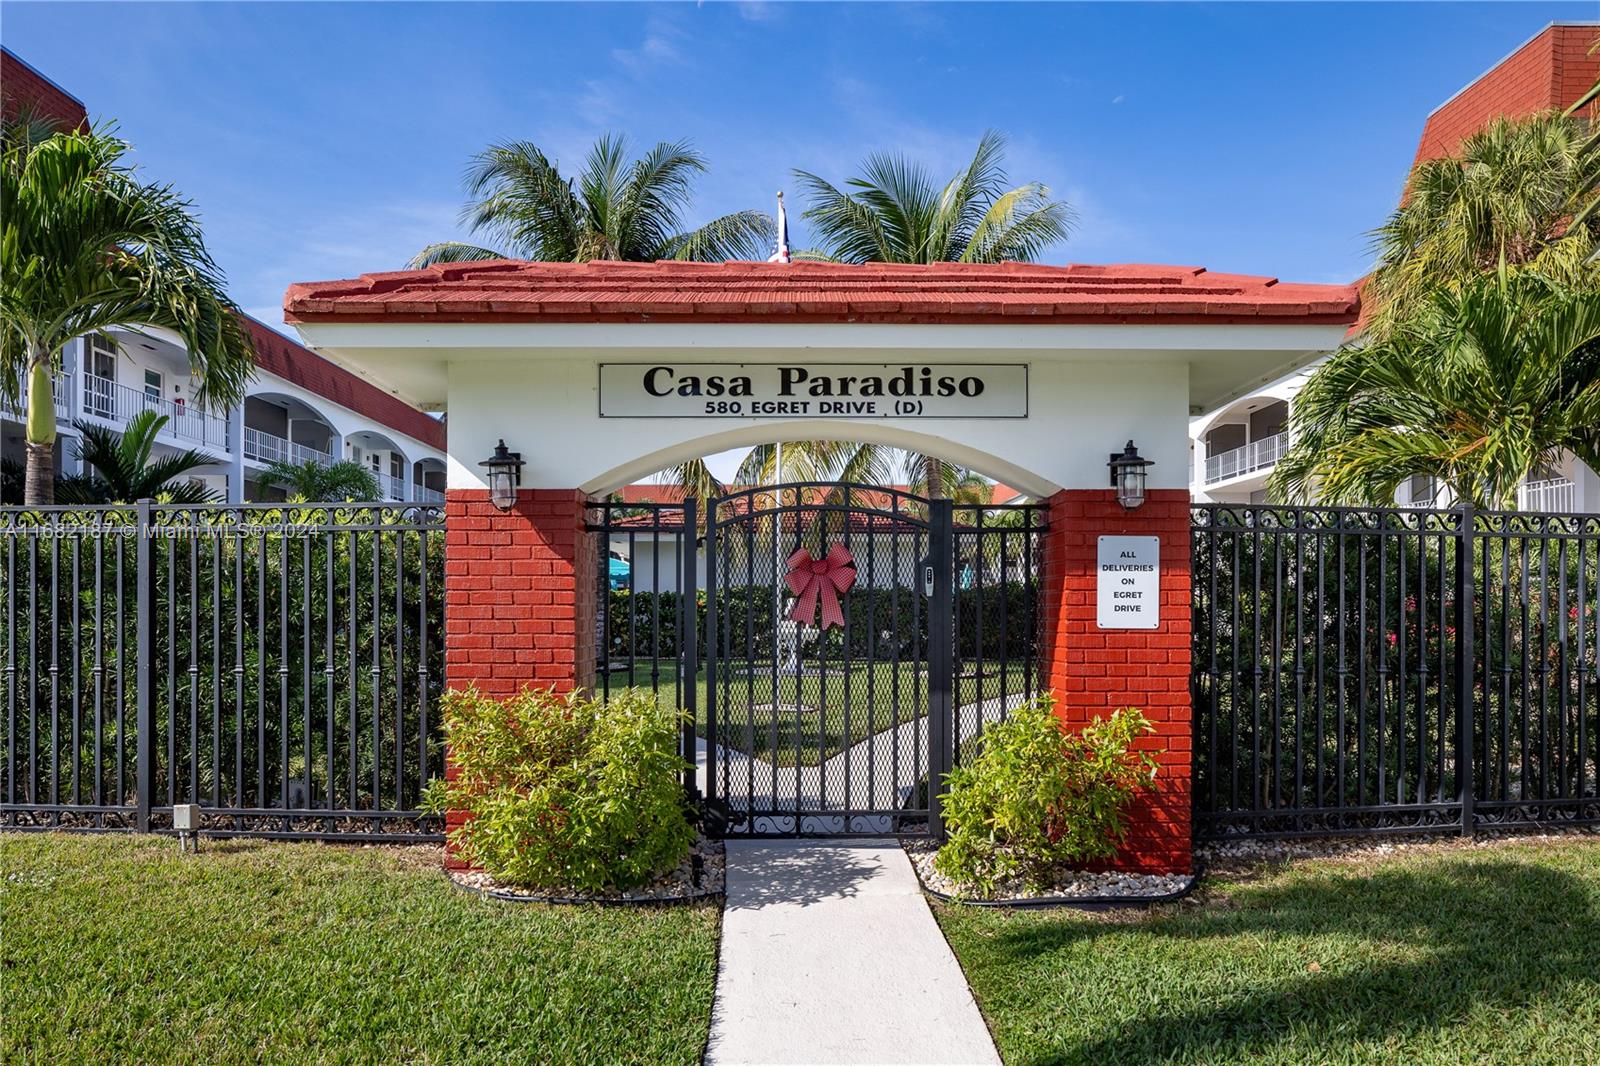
x=392, y=488
x=1554, y=494
x=19, y=406
x=104, y=398
x=1236, y=462
x=264, y=447
x=426, y=495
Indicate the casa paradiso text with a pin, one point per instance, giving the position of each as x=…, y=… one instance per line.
x=830, y=393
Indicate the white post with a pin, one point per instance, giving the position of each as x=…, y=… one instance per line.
x=72, y=398
x=236, y=453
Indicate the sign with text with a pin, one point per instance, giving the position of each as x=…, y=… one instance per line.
x=1128, y=589
x=813, y=390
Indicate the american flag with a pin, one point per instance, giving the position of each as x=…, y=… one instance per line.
x=781, y=255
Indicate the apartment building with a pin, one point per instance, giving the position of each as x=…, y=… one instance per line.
x=299, y=406
x=1236, y=447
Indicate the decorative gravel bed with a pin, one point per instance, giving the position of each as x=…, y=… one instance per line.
x=1070, y=888
x=700, y=876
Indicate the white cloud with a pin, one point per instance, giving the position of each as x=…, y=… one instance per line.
x=340, y=241
x=597, y=104
x=659, y=48
x=758, y=11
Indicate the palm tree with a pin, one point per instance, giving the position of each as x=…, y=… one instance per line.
x=85, y=245
x=123, y=470
x=818, y=460
x=896, y=212
x=313, y=482
x=613, y=209
x=1478, y=387
x=1590, y=149
x=1521, y=192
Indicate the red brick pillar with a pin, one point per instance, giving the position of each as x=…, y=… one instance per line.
x=519, y=595
x=1094, y=671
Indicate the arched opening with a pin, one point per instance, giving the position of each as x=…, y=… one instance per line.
x=385, y=459
x=282, y=428
x=1238, y=446
x=991, y=466
x=428, y=480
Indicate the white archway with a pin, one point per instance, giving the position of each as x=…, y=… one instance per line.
x=753, y=433
x=274, y=428
x=395, y=486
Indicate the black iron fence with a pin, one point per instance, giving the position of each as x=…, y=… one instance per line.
x=1355, y=670
x=1382, y=670
x=278, y=665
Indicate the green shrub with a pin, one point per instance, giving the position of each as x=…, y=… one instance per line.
x=1038, y=797
x=569, y=793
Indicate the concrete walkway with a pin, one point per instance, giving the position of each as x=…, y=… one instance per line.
x=877, y=772
x=830, y=955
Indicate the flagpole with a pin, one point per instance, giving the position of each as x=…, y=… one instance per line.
x=780, y=254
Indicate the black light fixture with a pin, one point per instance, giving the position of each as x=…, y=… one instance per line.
x=505, y=474
x=1127, y=476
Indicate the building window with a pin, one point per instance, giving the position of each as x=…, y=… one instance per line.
x=152, y=385
x=102, y=357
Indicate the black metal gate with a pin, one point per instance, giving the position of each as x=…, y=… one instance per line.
x=828, y=673
x=798, y=728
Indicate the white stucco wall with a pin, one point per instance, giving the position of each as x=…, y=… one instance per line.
x=1079, y=411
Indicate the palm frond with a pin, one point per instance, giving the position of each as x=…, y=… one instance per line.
x=695, y=478
x=88, y=246
x=742, y=235
x=1479, y=387
x=124, y=468
x=452, y=252
x=894, y=213
x=850, y=231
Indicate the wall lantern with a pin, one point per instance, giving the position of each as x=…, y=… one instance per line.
x=1127, y=476
x=505, y=474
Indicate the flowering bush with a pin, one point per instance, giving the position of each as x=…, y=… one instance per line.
x=1037, y=797
x=569, y=793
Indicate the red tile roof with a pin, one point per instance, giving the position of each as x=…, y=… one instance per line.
x=513, y=291
x=279, y=355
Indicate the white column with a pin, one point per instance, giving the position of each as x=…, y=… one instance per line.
x=1586, y=493
x=236, y=454
x=72, y=398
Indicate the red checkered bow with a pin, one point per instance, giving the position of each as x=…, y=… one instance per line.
x=827, y=578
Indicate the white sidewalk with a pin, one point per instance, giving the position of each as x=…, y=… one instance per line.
x=830, y=955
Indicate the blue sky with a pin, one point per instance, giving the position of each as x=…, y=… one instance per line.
x=321, y=141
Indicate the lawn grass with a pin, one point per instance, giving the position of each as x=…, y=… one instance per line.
x=119, y=949
x=826, y=722
x=1484, y=955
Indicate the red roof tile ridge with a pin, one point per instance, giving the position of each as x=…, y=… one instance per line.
x=749, y=291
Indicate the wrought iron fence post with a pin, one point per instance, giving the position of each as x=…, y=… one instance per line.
x=1465, y=673
x=713, y=760
x=940, y=659
x=144, y=670
x=688, y=644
